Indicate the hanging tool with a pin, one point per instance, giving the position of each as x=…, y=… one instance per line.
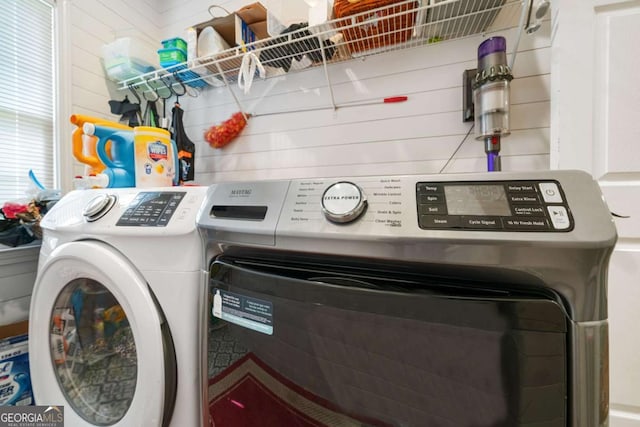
x=186, y=148
x=130, y=112
x=179, y=80
x=388, y=100
x=164, y=121
x=177, y=94
x=135, y=117
x=150, y=115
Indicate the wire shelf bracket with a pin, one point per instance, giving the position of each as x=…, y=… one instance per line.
x=398, y=26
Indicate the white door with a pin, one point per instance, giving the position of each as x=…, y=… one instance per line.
x=95, y=339
x=596, y=127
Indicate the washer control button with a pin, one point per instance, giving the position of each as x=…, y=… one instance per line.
x=559, y=217
x=550, y=192
x=98, y=207
x=343, y=202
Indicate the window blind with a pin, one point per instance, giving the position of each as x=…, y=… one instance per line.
x=26, y=96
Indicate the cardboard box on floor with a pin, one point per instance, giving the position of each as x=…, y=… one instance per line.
x=14, y=329
x=15, y=385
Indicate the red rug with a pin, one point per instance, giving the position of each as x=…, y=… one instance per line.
x=250, y=394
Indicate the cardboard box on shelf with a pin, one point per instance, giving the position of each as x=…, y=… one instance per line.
x=245, y=25
x=230, y=27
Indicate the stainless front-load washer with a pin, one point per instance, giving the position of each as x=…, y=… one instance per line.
x=467, y=300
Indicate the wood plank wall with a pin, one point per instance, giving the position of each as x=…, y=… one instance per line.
x=91, y=24
x=417, y=136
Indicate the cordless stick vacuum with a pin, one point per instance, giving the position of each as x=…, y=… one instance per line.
x=491, y=98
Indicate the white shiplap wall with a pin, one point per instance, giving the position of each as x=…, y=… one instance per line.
x=17, y=275
x=417, y=136
x=90, y=24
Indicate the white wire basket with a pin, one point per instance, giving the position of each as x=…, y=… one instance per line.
x=396, y=26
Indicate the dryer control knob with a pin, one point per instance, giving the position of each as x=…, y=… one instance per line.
x=98, y=207
x=343, y=202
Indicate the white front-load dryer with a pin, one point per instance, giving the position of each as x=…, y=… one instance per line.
x=118, y=311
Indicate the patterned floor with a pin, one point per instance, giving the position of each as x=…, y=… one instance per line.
x=223, y=348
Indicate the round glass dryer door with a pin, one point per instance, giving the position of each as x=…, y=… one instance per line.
x=93, y=352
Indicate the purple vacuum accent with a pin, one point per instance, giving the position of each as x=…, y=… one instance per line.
x=492, y=45
x=492, y=162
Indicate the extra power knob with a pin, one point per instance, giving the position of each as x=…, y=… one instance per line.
x=343, y=202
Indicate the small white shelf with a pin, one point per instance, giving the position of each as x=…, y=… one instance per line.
x=398, y=26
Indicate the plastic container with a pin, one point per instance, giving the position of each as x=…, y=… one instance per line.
x=192, y=43
x=142, y=157
x=126, y=58
x=87, y=182
x=173, y=55
x=84, y=146
x=155, y=157
x=175, y=43
x=187, y=76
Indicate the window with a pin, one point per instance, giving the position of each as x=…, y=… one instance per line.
x=27, y=65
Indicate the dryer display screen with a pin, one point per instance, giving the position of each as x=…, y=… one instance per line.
x=151, y=209
x=476, y=200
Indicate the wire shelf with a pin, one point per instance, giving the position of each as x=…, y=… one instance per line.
x=397, y=26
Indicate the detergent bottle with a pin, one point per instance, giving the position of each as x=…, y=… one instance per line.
x=141, y=157
x=119, y=166
x=84, y=145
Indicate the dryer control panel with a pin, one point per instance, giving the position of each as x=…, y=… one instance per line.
x=493, y=206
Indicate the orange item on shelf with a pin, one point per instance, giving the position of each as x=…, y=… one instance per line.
x=373, y=30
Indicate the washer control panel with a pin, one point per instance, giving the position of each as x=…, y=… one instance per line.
x=151, y=209
x=493, y=206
